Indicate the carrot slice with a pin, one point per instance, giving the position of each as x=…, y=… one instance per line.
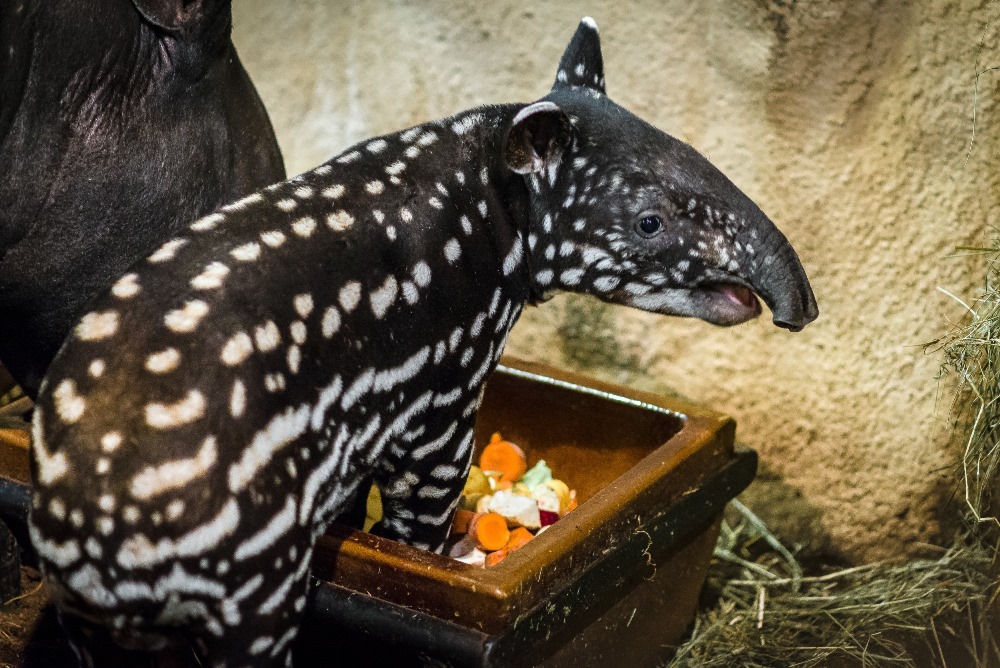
x=463, y=518
x=519, y=537
x=506, y=458
x=490, y=531
x=494, y=558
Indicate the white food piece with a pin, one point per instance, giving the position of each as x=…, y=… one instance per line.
x=546, y=498
x=475, y=558
x=517, y=510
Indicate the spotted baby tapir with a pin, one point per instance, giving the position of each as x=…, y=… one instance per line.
x=220, y=404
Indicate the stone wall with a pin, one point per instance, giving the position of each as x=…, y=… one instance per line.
x=847, y=121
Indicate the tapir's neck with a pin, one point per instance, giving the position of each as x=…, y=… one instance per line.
x=440, y=192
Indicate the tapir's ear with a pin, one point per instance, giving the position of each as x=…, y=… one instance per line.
x=176, y=14
x=582, y=64
x=537, y=137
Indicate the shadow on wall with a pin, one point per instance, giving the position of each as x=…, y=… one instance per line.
x=587, y=339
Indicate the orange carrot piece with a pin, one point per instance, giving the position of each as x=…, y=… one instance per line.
x=519, y=537
x=572, y=501
x=505, y=457
x=490, y=531
x=494, y=558
x=463, y=518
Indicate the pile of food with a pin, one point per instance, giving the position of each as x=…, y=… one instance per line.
x=505, y=504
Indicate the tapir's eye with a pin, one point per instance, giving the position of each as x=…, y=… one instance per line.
x=650, y=225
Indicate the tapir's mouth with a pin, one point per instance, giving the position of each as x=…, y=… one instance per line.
x=737, y=303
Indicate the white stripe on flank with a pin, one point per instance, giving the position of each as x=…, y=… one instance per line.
x=279, y=432
x=154, y=480
x=185, y=411
x=266, y=537
x=139, y=552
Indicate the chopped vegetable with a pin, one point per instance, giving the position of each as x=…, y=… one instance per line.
x=475, y=557
x=505, y=505
x=477, y=482
x=373, y=509
x=572, y=501
x=463, y=518
x=494, y=558
x=483, y=504
x=489, y=531
x=547, y=517
x=504, y=457
x=539, y=474
x=518, y=511
x=561, y=490
x=546, y=499
x=519, y=537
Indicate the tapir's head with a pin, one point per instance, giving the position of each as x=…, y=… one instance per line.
x=626, y=212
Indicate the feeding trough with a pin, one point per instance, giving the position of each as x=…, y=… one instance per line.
x=621, y=573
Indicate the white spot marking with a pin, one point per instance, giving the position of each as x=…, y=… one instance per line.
x=186, y=319
x=452, y=250
x=97, y=325
x=274, y=238
x=294, y=358
x=237, y=399
x=304, y=227
x=237, y=349
x=331, y=322
x=211, y=278
x=334, y=192
x=242, y=203
x=167, y=251
x=382, y=297
x=111, y=441
x=349, y=296
x=422, y=274
x=164, y=361
x=126, y=286
x=339, y=221
x=207, y=223
x=248, y=252
x=267, y=336
x=69, y=404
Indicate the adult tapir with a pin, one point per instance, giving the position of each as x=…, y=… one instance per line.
x=120, y=122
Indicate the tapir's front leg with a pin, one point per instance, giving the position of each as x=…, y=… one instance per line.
x=421, y=480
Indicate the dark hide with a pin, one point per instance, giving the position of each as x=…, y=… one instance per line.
x=120, y=122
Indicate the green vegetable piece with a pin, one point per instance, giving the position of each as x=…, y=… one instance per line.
x=539, y=474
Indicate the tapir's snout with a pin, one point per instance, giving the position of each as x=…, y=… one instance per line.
x=795, y=320
x=778, y=277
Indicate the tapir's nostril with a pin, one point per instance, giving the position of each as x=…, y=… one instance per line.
x=789, y=326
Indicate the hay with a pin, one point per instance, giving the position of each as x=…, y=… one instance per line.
x=768, y=613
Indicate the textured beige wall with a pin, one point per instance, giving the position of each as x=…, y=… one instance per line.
x=847, y=121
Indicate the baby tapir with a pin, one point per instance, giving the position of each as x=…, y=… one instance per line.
x=120, y=122
x=221, y=403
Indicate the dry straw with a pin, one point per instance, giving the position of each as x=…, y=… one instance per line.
x=767, y=613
